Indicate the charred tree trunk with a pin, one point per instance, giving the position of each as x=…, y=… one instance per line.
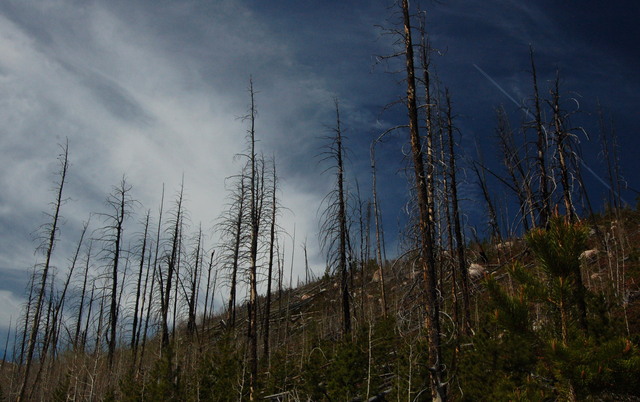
x=541, y=145
x=153, y=279
x=52, y=232
x=342, y=223
x=515, y=169
x=136, y=309
x=272, y=240
x=376, y=217
x=85, y=276
x=119, y=201
x=562, y=146
x=253, y=252
x=206, y=295
x=462, y=263
x=438, y=390
x=237, y=241
x=193, y=296
x=171, y=269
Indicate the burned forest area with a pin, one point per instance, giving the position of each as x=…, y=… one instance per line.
x=539, y=299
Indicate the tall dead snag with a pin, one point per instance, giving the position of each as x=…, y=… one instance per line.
x=208, y=289
x=515, y=166
x=120, y=204
x=232, y=235
x=59, y=306
x=541, y=145
x=562, y=139
x=432, y=323
x=272, y=241
x=83, y=292
x=143, y=248
x=334, y=220
x=609, y=149
x=379, y=234
x=447, y=218
x=172, y=263
x=342, y=218
x=255, y=208
x=429, y=103
x=462, y=265
x=194, y=282
x=51, y=230
x=178, y=275
x=6, y=344
x=155, y=271
x=27, y=314
x=479, y=169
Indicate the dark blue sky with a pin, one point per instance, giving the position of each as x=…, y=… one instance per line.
x=153, y=89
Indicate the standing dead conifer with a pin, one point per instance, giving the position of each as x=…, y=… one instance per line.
x=256, y=184
x=85, y=278
x=231, y=227
x=515, y=166
x=438, y=390
x=120, y=204
x=208, y=289
x=194, y=282
x=379, y=232
x=154, y=272
x=51, y=230
x=562, y=139
x=172, y=263
x=272, y=241
x=334, y=235
x=143, y=249
x=457, y=225
x=541, y=146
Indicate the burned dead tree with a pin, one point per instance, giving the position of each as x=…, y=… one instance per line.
x=427, y=256
x=334, y=235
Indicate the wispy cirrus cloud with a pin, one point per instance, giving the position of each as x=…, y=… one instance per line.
x=151, y=93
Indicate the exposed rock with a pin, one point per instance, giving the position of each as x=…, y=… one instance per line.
x=588, y=255
x=476, y=271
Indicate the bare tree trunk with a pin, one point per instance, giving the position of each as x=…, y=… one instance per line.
x=193, y=297
x=425, y=61
x=53, y=230
x=514, y=165
x=253, y=255
x=58, y=307
x=171, y=268
x=231, y=312
x=541, y=144
x=342, y=228
x=143, y=302
x=6, y=345
x=206, y=295
x=479, y=170
x=119, y=201
x=376, y=215
x=438, y=390
x=178, y=282
x=27, y=317
x=272, y=240
x=134, y=329
x=462, y=263
x=449, y=257
x=83, y=340
x=561, y=137
x=82, y=296
x=153, y=279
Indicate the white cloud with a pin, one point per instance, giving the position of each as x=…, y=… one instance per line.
x=134, y=99
x=10, y=310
